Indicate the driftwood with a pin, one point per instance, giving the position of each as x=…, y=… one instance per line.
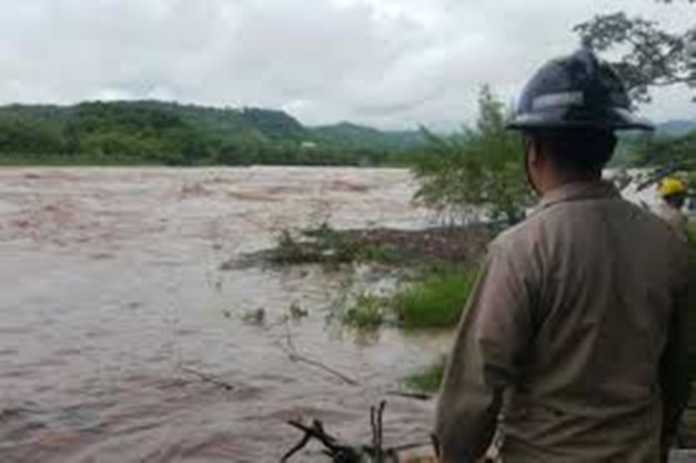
x=209, y=379
x=411, y=395
x=341, y=452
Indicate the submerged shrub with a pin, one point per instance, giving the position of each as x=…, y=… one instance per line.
x=367, y=312
x=290, y=251
x=429, y=379
x=321, y=245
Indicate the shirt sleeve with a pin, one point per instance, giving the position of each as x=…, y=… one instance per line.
x=675, y=361
x=491, y=340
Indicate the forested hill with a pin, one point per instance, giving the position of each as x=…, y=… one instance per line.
x=170, y=133
x=349, y=135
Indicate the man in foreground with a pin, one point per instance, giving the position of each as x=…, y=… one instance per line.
x=574, y=335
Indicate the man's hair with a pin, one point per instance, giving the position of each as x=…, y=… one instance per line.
x=575, y=150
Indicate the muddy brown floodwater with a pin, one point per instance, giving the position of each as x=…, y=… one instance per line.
x=111, y=288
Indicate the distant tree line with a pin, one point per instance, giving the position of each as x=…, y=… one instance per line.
x=150, y=132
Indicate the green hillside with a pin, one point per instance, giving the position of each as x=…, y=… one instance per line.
x=350, y=135
x=155, y=132
x=666, y=146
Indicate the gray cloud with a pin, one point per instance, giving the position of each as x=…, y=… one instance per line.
x=391, y=63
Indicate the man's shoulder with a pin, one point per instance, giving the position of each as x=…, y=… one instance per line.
x=519, y=236
x=531, y=228
x=664, y=223
x=547, y=224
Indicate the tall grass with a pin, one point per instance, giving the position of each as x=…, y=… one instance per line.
x=436, y=302
x=368, y=312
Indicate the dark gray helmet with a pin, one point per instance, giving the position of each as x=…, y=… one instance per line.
x=577, y=91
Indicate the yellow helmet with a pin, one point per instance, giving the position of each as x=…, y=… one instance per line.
x=671, y=186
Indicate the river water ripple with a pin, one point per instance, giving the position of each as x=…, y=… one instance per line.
x=112, y=288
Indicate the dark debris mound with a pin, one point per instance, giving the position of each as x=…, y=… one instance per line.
x=451, y=244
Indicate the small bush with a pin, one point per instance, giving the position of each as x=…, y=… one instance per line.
x=322, y=245
x=428, y=380
x=332, y=243
x=367, y=312
x=288, y=250
x=436, y=302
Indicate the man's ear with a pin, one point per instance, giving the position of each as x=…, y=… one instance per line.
x=534, y=154
x=531, y=162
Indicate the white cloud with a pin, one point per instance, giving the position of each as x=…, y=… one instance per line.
x=391, y=63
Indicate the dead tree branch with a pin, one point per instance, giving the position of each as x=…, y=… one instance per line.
x=411, y=395
x=290, y=349
x=345, y=453
x=209, y=379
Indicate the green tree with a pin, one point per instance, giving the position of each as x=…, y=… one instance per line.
x=648, y=55
x=477, y=170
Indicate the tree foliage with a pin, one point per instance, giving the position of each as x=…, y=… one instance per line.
x=663, y=150
x=648, y=54
x=155, y=132
x=353, y=136
x=476, y=170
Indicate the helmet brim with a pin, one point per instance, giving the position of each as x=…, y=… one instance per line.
x=611, y=119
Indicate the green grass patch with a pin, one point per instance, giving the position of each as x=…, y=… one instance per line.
x=428, y=380
x=436, y=302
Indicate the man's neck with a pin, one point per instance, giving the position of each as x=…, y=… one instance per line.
x=561, y=179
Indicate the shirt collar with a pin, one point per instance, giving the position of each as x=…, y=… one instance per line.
x=579, y=191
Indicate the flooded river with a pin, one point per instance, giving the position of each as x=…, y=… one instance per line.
x=111, y=289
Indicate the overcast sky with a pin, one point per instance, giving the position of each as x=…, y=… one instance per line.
x=388, y=63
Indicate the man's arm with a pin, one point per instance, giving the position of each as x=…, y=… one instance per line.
x=494, y=333
x=674, y=365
